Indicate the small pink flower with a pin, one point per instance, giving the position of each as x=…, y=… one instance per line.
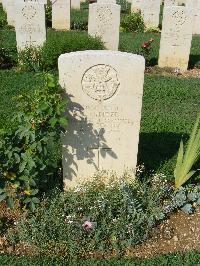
x=87, y=225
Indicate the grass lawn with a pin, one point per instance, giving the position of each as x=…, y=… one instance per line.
x=188, y=259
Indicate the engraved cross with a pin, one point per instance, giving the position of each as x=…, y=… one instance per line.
x=99, y=147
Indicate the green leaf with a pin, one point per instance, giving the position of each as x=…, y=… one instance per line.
x=32, y=206
x=63, y=121
x=22, y=166
x=10, y=202
x=34, y=192
x=27, y=200
x=3, y=197
x=179, y=159
x=43, y=106
x=35, y=200
x=185, y=162
x=53, y=121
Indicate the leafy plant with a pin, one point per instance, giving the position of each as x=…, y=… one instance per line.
x=133, y=23
x=93, y=218
x=25, y=162
x=3, y=20
x=187, y=159
x=29, y=59
x=46, y=58
x=146, y=48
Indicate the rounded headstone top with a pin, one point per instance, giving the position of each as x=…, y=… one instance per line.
x=106, y=1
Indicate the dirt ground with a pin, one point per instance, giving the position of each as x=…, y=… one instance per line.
x=195, y=72
x=181, y=232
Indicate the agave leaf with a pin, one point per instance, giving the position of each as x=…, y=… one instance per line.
x=184, y=178
x=185, y=162
x=179, y=159
x=192, y=138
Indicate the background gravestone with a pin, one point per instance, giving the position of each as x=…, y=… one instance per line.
x=10, y=9
x=176, y=38
x=104, y=22
x=136, y=5
x=105, y=90
x=75, y=4
x=30, y=25
x=61, y=15
x=195, y=6
x=150, y=11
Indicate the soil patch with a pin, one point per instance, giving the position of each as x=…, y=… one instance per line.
x=179, y=233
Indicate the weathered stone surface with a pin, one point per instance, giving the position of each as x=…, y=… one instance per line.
x=176, y=38
x=30, y=25
x=150, y=11
x=43, y=2
x=171, y=2
x=61, y=15
x=136, y=5
x=75, y=4
x=106, y=1
x=10, y=12
x=195, y=6
x=4, y=4
x=104, y=22
x=105, y=90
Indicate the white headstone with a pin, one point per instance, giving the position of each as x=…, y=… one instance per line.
x=30, y=25
x=10, y=9
x=104, y=22
x=4, y=4
x=106, y=1
x=195, y=6
x=136, y=5
x=61, y=15
x=75, y=4
x=150, y=12
x=105, y=90
x=176, y=38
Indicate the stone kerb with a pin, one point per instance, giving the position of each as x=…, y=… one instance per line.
x=104, y=111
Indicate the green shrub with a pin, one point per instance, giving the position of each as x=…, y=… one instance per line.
x=92, y=219
x=57, y=43
x=133, y=22
x=64, y=42
x=3, y=19
x=25, y=162
x=29, y=59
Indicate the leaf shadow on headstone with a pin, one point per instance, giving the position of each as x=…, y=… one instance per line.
x=156, y=149
x=83, y=142
x=193, y=61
